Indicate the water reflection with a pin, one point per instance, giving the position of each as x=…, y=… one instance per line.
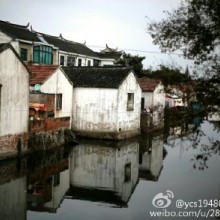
x=47, y=180
x=98, y=175
x=12, y=191
x=104, y=171
x=151, y=157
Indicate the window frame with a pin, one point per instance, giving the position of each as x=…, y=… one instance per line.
x=43, y=54
x=24, y=54
x=59, y=101
x=62, y=58
x=130, y=101
x=79, y=62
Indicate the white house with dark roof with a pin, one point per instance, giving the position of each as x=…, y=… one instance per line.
x=14, y=100
x=53, y=80
x=153, y=95
x=106, y=102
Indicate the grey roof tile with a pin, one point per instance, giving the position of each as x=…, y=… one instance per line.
x=97, y=77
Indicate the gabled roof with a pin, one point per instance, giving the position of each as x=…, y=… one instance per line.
x=147, y=84
x=18, y=31
x=40, y=73
x=69, y=46
x=110, y=55
x=97, y=77
x=6, y=46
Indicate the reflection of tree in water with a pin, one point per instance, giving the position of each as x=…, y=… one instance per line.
x=191, y=135
x=206, y=150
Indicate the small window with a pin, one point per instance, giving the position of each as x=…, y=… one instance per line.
x=127, y=172
x=24, y=54
x=89, y=62
x=70, y=61
x=59, y=101
x=43, y=54
x=61, y=60
x=96, y=62
x=56, y=179
x=130, y=102
x=79, y=62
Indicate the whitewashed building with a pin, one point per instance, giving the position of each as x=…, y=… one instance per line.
x=53, y=80
x=153, y=95
x=14, y=100
x=106, y=102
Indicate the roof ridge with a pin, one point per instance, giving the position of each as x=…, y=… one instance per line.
x=17, y=25
x=60, y=37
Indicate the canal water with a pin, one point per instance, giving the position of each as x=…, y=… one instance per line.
x=175, y=172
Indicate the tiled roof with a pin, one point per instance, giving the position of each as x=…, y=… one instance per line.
x=147, y=84
x=18, y=31
x=40, y=73
x=23, y=33
x=97, y=77
x=110, y=55
x=69, y=46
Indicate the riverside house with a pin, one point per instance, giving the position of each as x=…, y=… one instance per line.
x=106, y=102
x=14, y=101
x=52, y=81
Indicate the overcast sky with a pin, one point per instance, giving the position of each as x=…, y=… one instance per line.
x=119, y=23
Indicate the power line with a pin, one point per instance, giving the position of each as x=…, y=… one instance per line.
x=137, y=50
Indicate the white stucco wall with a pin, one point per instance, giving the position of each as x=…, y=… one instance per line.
x=129, y=120
x=95, y=109
x=57, y=83
x=109, y=62
x=155, y=98
x=105, y=110
x=14, y=94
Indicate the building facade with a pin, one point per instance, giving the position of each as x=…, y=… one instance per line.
x=106, y=102
x=14, y=100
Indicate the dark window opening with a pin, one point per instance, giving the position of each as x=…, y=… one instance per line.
x=142, y=103
x=61, y=60
x=79, y=62
x=127, y=172
x=130, y=102
x=96, y=62
x=56, y=179
x=24, y=54
x=58, y=101
x=70, y=61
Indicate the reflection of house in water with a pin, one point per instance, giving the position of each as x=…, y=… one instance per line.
x=105, y=172
x=151, y=157
x=12, y=188
x=47, y=182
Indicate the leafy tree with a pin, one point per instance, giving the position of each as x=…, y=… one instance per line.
x=194, y=29
x=168, y=75
x=133, y=61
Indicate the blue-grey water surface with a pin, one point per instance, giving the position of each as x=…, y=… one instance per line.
x=116, y=180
